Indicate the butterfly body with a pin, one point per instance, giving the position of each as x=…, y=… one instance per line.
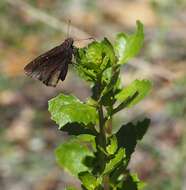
x=52, y=66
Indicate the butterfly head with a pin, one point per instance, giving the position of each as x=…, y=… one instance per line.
x=68, y=43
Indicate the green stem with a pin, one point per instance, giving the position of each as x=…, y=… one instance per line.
x=124, y=104
x=102, y=144
x=102, y=134
x=101, y=139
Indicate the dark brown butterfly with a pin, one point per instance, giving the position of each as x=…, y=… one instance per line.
x=52, y=66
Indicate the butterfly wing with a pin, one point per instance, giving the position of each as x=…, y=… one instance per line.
x=52, y=75
x=51, y=66
x=48, y=71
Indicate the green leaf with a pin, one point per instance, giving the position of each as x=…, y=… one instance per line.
x=110, y=77
x=78, y=129
x=114, y=162
x=89, y=161
x=96, y=57
x=132, y=182
x=129, y=134
x=104, y=63
x=87, y=138
x=140, y=184
x=94, y=53
x=142, y=87
x=68, y=109
x=113, y=145
x=85, y=68
x=89, y=181
x=127, y=46
x=70, y=155
x=112, y=85
x=85, y=73
x=80, y=56
x=109, y=50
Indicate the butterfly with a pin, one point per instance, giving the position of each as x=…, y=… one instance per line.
x=52, y=66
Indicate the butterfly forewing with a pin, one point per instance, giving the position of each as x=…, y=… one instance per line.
x=52, y=65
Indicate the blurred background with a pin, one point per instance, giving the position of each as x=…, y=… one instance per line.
x=27, y=135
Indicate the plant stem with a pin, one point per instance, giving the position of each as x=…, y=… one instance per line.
x=102, y=143
x=101, y=127
x=102, y=135
x=124, y=104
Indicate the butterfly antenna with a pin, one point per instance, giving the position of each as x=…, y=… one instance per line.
x=68, y=28
x=90, y=38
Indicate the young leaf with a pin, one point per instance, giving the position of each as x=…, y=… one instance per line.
x=113, y=163
x=108, y=50
x=94, y=53
x=70, y=155
x=105, y=63
x=89, y=181
x=142, y=87
x=127, y=46
x=129, y=134
x=68, y=109
x=80, y=56
x=113, y=145
x=112, y=85
x=86, y=74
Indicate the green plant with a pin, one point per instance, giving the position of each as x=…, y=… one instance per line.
x=94, y=154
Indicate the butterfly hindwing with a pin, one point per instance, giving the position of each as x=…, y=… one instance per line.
x=47, y=71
